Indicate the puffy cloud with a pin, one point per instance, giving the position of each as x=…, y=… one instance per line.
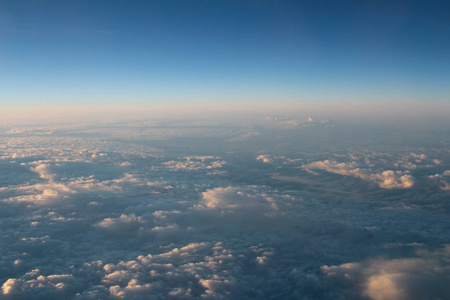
x=196, y=270
x=265, y=158
x=418, y=157
x=445, y=186
x=123, y=222
x=41, y=193
x=388, y=179
x=44, y=171
x=196, y=163
x=70, y=149
x=59, y=190
x=423, y=277
x=35, y=285
x=392, y=179
x=437, y=161
x=168, y=228
x=443, y=183
x=230, y=198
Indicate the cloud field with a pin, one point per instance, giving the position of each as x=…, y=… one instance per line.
x=277, y=208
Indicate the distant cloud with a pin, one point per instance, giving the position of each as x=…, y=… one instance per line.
x=196, y=163
x=288, y=123
x=55, y=190
x=235, y=198
x=121, y=222
x=388, y=179
x=444, y=184
x=418, y=157
x=29, y=130
x=265, y=158
x=245, y=135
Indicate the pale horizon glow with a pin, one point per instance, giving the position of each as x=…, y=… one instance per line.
x=48, y=114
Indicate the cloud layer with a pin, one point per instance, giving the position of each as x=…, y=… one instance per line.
x=184, y=209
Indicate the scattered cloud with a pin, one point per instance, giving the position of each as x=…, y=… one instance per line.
x=43, y=170
x=388, y=179
x=235, y=198
x=35, y=285
x=123, y=222
x=289, y=123
x=196, y=163
x=57, y=191
x=265, y=158
x=29, y=130
x=98, y=212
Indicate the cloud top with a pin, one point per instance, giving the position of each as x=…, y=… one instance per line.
x=388, y=179
x=424, y=277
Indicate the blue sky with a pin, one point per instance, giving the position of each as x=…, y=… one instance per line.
x=153, y=52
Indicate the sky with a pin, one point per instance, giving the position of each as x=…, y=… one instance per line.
x=222, y=53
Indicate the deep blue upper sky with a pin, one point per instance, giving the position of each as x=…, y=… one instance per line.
x=59, y=52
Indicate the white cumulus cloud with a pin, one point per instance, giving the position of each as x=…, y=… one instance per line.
x=388, y=179
x=424, y=277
